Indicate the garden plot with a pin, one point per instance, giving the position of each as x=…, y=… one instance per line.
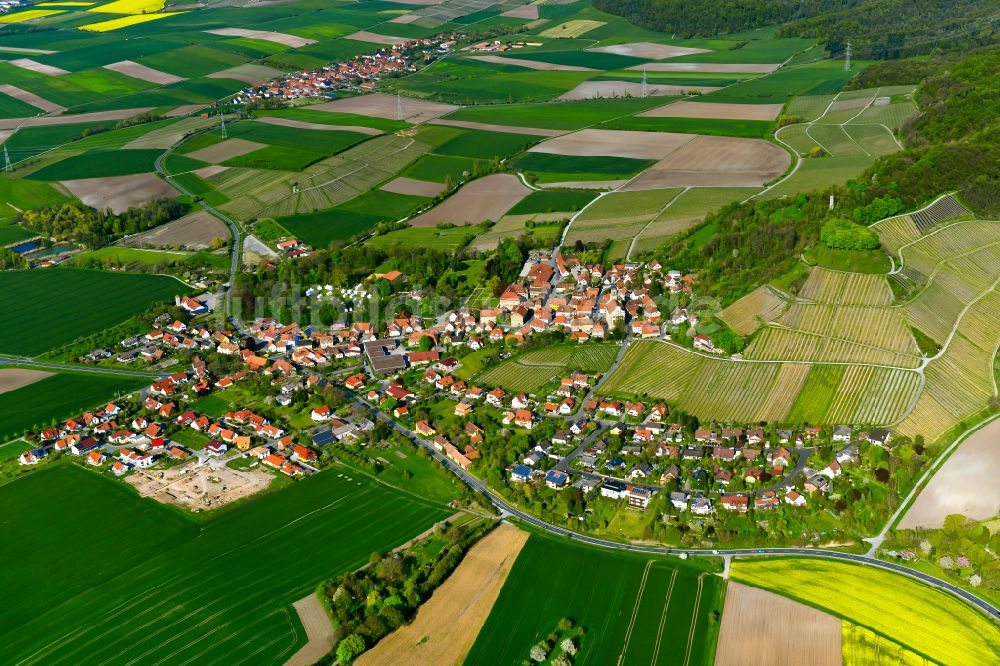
x=531, y=64
x=320, y=127
x=29, y=98
x=760, y=306
x=37, y=67
x=613, y=89
x=119, y=193
x=706, y=67
x=195, y=231
x=647, y=50
x=714, y=161
x=251, y=73
x=490, y=127
x=755, y=631
x=722, y=111
x=12, y=379
x=420, y=188
x=615, y=143
x=265, y=35
x=225, y=150
x=481, y=199
x=143, y=73
x=965, y=484
x=385, y=106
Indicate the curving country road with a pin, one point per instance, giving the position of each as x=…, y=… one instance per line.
x=508, y=511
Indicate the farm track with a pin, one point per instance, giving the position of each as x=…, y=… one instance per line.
x=663, y=618
x=635, y=611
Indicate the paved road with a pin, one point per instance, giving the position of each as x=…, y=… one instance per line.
x=507, y=511
x=80, y=368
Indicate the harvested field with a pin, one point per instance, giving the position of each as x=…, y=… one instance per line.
x=707, y=67
x=72, y=119
x=199, y=487
x=226, y=150
x=615, y=143
x=421, y=188
x=374, y=38
x=266, y=35
x=531, y=64
x=12, y=379
x=647, y=50
x=716, y=160
x=384, y=106
x=195, y=231
x=490, y=127
x=482, y=199
x=722, y=111
x=523, y=12
x=755, y=631
x=320, y=127
x=119, y=193
x=965, y=484
x=19, y=49
x=29, y=98
x=31, y=65
x=465, y=599
x=605, y=89
x=137, y=71
x=209, y=171
x=251, y=73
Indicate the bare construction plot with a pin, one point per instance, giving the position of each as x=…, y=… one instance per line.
x=12, y=379
x=715, y=161
x=648, y=50
x=722, y=111
x=482, y=199
x=491, y=127
x=29, y=98
x=420, y=188
x=320, y=127
x=374, y=38
x=31, y=65
x=707, y=67
x=251, y=73
x=226, y=150
x=137, y=71
x=380, y=105
x=119, y=193
x=605, y=89
x=615, y=143
x=198, y=487
x=266, y=35
x=531, y=64
x=447, y=625
x=195, y=231
x=760, y=628
x=965, y=484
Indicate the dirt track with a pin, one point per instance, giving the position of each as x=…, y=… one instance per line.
x=12, y=379
x=722, y=111
x=447, y=625
x=482, y=199
x=760, y=628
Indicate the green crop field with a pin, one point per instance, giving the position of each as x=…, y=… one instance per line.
x=553, y=201
x=70, y=303
x=633, y=610
x=175, y=589
x=712, y=126
x=552, y=168
x=22, y=194
x=438, y=168
x=558, y=115
x=927, y=621
x=99, y=164
x=60, y=396
x=486, y=145
x=534, y=369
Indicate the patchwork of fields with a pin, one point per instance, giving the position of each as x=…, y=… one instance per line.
x=180, y=590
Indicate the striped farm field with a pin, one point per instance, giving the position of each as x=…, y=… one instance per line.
x=826, y=286
x=780, y=344
x=892, y=116
x=762, y=305
x=513, y=376
x=876, y=396
x=817, y=393
x=587, y=358
x=745, y=391
x=655, y=369
x=896, y=232
x=644, y=203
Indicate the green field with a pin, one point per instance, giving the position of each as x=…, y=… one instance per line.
x=633, y=610
x=67, y=304
x=59, y=397
x=553, y=201
x=99, y=164
x=534, y=369
x=927, y=621
x=712, y=126
x=486, y=145
x=356, y=216
x=557, y=115
x=176, y=590
x=438, y=168
x=551, y=168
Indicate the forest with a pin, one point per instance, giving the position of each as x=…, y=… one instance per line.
x=96, y=228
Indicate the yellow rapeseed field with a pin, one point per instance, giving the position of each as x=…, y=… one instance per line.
x=918, y=617
x=28, y=15
x=124, y=22
x=130, y=7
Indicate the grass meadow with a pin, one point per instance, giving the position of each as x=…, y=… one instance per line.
x=634, y=610
x=163, y=586
x=49, y=308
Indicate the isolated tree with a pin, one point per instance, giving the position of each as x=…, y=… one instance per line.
x=538, y=653
x=349, y=648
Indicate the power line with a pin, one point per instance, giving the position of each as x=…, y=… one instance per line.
x=6, y=158
x=224, y=136
x=644, y=83
x=847, y=56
